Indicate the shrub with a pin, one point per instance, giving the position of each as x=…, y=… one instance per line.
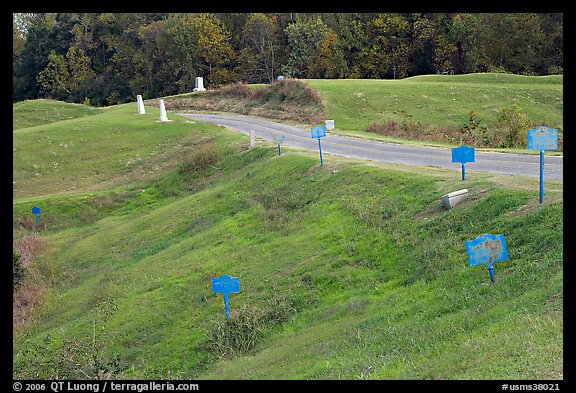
x=516, y=123
x=292, y=90
x=234, y=90
x=18, y=271
x=244, y=328
x=202, y=157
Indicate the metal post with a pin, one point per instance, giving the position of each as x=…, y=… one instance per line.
x=36, y=218
x=320, y=147
x=463, y=171
x=491, y=271
x=541, y=176
x=278, y=148
x=226, y=304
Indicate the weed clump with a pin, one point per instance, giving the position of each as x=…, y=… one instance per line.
x=289, y=99
x=203, y=157
x=73, y=357
x=18, y=271
x=245, y=328
x=509, y=132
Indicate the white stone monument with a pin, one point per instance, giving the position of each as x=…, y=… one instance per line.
x=199, y=82
x=252, y=138
x=163, y=116
x=453, y=198
x=329, y=124
x=141, y=110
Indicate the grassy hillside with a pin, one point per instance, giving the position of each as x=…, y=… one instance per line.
x=424, y=109
x=39, y=112
x=289, y=100
x=350, y=270
x=440, y=100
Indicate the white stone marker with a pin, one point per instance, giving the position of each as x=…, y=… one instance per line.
x=199, y=82
x=329, y=124
x=141, y=110
x=163, y=116
x=453, y=198
x=251, y=138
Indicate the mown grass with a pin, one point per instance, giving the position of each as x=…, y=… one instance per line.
x=30, y=113
x=367, y=272
x=440, y=101
x=105, y=150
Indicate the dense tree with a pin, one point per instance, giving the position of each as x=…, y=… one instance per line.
x=109, y=58
x=387, y=54
x=305, y=37
x=260, y=44
x=214, y=48
x=42, y=37
x=66, y=76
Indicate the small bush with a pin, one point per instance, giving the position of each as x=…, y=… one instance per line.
x=71, y=359
x=291, y=90
x=235, y=90
x=515, y=123
x=242, y=331
x=18, y=271
x=202, y=157
x=406, y=128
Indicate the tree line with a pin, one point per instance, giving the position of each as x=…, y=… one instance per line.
x=109, y=58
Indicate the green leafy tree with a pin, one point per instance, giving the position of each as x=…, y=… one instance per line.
x=260, y=44
x=181, y=31
x=205, y=47
x=214, y=48
x=467, y=31
x=65, y=75
x=516, y=123
x=332, y=57
x=42, y=36
x=305, y=38
x=388, y=52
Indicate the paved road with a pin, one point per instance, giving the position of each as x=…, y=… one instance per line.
x=503, y=163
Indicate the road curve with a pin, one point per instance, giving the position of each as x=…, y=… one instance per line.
x=502, y=163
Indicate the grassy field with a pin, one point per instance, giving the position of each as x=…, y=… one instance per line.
x=427, y=109
x=347, y=271
x=30, y=114
x=440, y=100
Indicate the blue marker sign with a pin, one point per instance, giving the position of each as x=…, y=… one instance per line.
x=36, y=210
x=319, y=132
x=225, y=285
x=542, y=138
x=486, y=249
x=463, y=154
x=279, y=139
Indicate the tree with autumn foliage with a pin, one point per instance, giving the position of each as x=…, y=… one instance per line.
x=109, y=58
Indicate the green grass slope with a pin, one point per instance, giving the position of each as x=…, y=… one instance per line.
x=350, y=270
x=39, y=112
x=95, y=152
x=440, y=100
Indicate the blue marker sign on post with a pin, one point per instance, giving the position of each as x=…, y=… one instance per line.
x=279, y=139
x=225, y=285
x=36, y=210
x=542, y=138
x=319, y=132
x=486, y=249
x=463, y=154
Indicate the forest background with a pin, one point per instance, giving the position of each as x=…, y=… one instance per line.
x=105, y=59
